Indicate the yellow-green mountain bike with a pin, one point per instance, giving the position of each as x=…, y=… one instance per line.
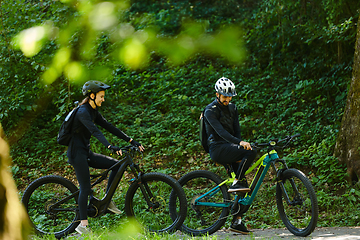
x=209, y=203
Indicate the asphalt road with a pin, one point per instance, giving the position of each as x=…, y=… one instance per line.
x=333, y=233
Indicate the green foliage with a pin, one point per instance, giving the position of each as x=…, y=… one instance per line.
x=294, y=80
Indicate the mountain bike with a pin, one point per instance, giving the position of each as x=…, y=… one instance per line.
x=209, y=203
x=51, y=201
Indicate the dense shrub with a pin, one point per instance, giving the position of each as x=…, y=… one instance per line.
x=294, y=80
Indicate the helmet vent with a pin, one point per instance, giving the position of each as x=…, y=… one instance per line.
x=226, y=87
x=94, y=87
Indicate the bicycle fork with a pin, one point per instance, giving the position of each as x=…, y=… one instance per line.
x=282, y=186
x=144, y=187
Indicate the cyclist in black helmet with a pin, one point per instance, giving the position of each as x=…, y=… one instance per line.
x=79, y=154
x=224, y=140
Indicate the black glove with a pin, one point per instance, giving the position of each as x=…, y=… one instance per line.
x=135, y=143
x=114, y=149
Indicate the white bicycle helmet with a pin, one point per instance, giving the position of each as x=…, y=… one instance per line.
x=226, y=87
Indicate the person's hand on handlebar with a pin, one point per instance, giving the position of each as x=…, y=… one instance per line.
x=245, y=145
x=115, y=149
x=137, y=144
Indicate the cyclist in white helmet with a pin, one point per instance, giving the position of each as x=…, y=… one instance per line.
x=224, y=140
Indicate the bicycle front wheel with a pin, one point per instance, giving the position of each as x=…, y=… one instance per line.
x=148, y=202
x=48, y=216
x=204, y=219
x=297, y=202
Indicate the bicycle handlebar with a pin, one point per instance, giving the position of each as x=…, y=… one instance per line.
x=274, y=142
x=131, y=149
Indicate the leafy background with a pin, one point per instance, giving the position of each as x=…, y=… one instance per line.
x=299, y=57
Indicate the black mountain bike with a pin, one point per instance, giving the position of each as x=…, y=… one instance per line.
x=209, y=203
x=51, y=201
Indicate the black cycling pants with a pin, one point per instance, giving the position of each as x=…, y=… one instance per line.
x=235, y=155
x=81, y=165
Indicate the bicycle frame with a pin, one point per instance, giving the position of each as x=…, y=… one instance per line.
x=210, y=202
x=264, y=161
x=100, y=205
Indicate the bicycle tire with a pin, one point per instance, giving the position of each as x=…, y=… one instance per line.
x=301, y=214
x=156, y=218
x=205, y=219
x=38, y=198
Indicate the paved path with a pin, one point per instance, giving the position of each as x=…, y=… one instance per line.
x=333, y=233
x=338, y=233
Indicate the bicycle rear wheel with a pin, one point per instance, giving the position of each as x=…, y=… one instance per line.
x=148, y=202
x=203, y=220
x=47, y=217
x=297, y=202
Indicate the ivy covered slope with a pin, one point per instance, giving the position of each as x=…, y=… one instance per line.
x=294, y=80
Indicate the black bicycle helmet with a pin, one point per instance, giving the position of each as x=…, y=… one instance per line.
x=93, y=87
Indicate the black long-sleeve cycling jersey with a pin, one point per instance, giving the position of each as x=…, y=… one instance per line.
x=222, y=123
x=84, y=126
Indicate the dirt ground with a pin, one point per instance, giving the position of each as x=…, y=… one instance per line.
x=333, y=233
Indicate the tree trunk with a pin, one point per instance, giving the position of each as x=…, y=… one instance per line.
x=14, y=222
x=347, y=148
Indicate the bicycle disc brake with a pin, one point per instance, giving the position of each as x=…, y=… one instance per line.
x=156, y=204
x=198, y=208
x=298, y=203
x=49, y=210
